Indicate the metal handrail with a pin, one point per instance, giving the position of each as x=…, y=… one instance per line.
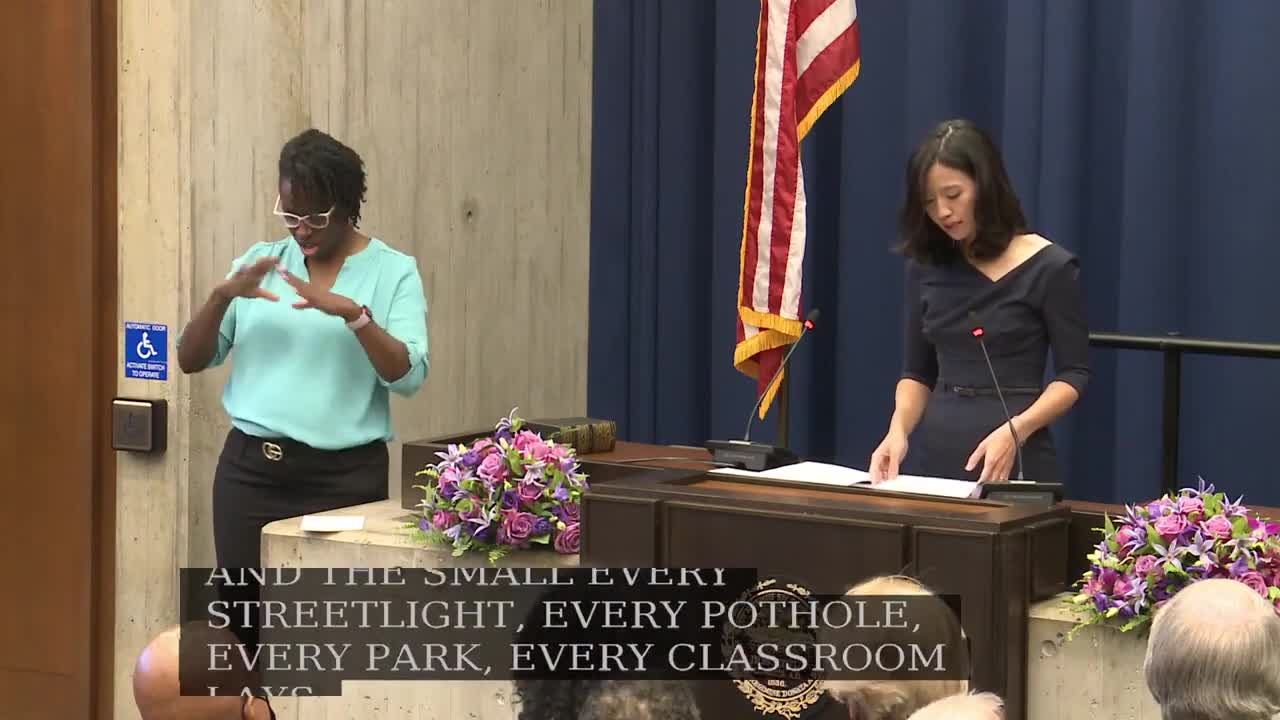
x=1173, y=346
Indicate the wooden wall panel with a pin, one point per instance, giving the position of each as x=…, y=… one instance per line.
x=49, y=374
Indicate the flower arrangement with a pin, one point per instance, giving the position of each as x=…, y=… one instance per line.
x=511, y=490
x=1157, y=549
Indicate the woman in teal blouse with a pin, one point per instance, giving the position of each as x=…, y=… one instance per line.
x=321, y=328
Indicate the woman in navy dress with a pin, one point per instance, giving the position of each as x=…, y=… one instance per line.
x=972, y=263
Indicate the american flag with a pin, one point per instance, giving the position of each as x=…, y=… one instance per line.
x=807, y=54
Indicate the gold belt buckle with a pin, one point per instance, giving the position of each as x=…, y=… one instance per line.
x=272, y=451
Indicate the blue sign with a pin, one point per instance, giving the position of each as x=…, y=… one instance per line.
x=146, y=351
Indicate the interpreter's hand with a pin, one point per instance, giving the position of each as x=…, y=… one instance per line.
x=316, y=298
x=246, y=282
x=997, y=453
x=888, y=456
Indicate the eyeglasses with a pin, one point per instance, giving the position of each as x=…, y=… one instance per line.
x=318, y=221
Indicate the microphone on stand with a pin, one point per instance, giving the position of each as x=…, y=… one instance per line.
x=759, y=456
x=978, y=332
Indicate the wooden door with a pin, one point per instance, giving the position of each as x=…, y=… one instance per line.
x=57, y=220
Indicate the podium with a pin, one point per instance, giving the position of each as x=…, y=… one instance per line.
x=998, y=557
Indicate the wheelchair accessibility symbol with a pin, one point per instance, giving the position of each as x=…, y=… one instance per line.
x=146, y=351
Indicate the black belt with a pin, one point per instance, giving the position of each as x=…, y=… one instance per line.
x=278, y=449
x=989, y=390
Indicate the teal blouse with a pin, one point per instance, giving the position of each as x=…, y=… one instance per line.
x=302, y=374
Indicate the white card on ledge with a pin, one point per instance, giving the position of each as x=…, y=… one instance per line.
x=332, y=523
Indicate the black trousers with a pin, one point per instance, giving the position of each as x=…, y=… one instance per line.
x=259, y=481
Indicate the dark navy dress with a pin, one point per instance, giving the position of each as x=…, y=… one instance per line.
x=1036, y=307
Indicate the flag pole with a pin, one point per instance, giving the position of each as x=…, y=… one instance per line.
x=783, y=420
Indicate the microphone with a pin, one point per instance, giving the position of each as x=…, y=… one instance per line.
x=979, y=333
x=759, y=456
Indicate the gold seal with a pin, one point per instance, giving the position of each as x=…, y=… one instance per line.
x=786, y=695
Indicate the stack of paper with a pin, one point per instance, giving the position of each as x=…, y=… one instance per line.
x=839, y=475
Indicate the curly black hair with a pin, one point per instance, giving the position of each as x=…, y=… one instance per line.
x=326, y=171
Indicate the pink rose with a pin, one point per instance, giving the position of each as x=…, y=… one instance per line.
x=526, y=440
x=1125, y=537
x=1190, y=505
x=1171, y=526
x=518, y=527
x=482, y=446
x=529, y=492
x=1218, y=527
x=492, y=468
x=1123, y=586
x=443, y=519
x=1255, y=582
x=567, y=541
x=539, y=452
x=1145, y=565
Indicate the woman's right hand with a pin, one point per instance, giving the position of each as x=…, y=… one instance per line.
x=247, y=280
x=888, y=456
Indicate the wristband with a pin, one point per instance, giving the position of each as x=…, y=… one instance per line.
x=365, y=317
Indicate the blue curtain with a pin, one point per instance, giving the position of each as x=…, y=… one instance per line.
x=1142, y=135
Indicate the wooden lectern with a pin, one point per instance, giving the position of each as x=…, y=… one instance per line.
x=997, y=557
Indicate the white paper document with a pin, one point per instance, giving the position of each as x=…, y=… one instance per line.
x=841, y=476
x=332, y=523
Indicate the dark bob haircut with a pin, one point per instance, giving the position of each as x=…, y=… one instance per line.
x=326, y=172
x=960, y=145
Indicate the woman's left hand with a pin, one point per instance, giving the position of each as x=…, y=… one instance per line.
x=997, y=453
x=326, y=302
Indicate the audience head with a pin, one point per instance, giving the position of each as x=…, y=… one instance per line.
x=157, y=691
x=958, y=197
x=897, y=699
x=1214, y=652
x=972, y=706
x=640, y=700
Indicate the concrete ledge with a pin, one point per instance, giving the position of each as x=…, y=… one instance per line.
x=1098, y=674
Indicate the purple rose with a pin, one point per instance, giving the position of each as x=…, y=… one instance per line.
x=518, y=526
x=1171, y=526
x=1218, y=527
x=1256, y=582
x=530, y=492
x=572, y=512
x=567, y=541
x=1145, y=565
x=1189, y=505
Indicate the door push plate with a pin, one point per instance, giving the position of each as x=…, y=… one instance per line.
x=139, y=425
